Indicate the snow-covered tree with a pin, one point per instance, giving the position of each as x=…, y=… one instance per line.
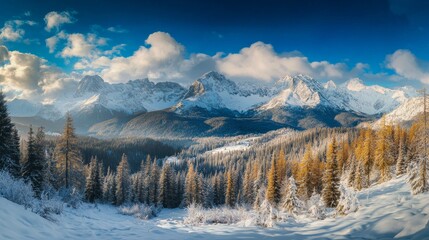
x=167, y=187
x=291, y=203
x=401, y=162
x=123, y=183
x=316, y=207
x=93, y=188
x=348, y=201
x=109, y=187
x=9, y=141
x=331, y=180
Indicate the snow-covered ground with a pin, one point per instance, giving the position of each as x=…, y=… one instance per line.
x=387, y=211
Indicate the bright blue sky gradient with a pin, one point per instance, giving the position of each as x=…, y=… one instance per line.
x=349, y=32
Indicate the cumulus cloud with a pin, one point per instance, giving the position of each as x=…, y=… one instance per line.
x=13, y=31
x=407, y=65
x=54, y=20
x=163, y=58
x=261, y=62
x=28, y=76
x=79, y=45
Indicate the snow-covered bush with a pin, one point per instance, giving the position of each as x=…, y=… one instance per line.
x=72, y=197
x=267, y=215
x=16, y=190
x=197, y=215
x=47, y=205
x=348, y=202
x=141, y=211
x=316, y=208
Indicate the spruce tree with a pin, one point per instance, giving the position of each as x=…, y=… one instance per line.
x=331, y=180
x=33, y=165
x=15, y=155
x=123, y=183
x=93, y=190
x=401, y=163
x=9, y=149
x=167, y=187
x=291, y=203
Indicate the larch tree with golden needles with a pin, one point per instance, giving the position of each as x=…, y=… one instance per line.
x=273, y=186
x=68, y=157
x=305, y=185
x=383, y=151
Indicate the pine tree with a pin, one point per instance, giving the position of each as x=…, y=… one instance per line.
x=418, y=178
x=167, y=187
x=109, y=187
x=352, y=171
x=68, y=158
x=208, y=193
x=15, y=155
x=123, y=183
x=401, y=163
x=154, y=183
x=273, y=186
x=93, y=189
x=330, y=192
x=8, y=147
x=33, y=165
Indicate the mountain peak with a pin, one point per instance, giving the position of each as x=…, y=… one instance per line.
x=330, y=85
x=89, y=84
x=355, y=84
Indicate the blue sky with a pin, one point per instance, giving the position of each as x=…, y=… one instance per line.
x=382, y=42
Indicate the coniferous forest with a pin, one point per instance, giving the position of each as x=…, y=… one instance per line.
x=315, y=171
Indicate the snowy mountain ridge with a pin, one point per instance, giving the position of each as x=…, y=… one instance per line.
x=95, y=99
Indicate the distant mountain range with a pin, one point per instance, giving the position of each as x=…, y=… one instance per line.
x=213, y=106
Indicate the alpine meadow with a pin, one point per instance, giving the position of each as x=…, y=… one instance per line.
x=214, y=119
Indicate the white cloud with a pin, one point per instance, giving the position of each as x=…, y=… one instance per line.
x=51, y=43
x=163, y=59
x=407, y=65
x=12, y=30
x=84, y=46
x=28, y=76
x=54, y=19
x=261, y=62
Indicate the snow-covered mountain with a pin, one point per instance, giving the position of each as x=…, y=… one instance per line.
x=213, y=91
x=404, y=113
x=297, y=101
x=354, y=95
